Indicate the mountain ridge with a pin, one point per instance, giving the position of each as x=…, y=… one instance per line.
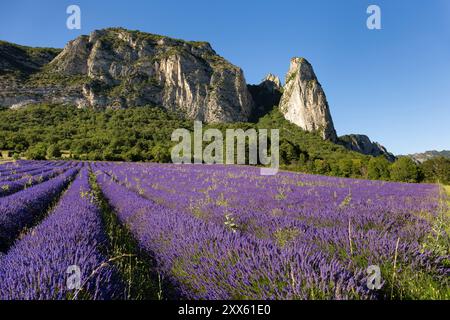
x=362, y=144
x=421, y=157
x=118, y=68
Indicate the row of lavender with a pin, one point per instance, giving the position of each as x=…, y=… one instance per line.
x=264, y=207
x=20, y=166
x=206, y=261
x=219, y=232
x=72, y=236
x=28, y=176
x=22, y=170
x=24, y=207
x=349, y=224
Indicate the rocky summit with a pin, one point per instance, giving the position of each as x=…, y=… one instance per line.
x=265, y=95
x=272, y=83
x=304, y=102
x=362, y=144
x=117, y=68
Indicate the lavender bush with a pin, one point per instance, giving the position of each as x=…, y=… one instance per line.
x=35, y=267
x=224, y=232
x=356, y=222
x=20, y=209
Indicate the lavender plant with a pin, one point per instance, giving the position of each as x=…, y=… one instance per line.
x=72, y=235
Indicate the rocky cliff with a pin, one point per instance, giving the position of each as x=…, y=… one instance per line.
x=362, y=144
x=304, y=102
x=118, y=68
x=265, y=95
x=271, y=83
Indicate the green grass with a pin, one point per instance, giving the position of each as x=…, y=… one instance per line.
x=447, y=190
x=402, y=282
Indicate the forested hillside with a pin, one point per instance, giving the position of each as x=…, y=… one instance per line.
x=144, y=134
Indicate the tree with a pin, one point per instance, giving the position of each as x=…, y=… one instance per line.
x=436, y=170
x=37, y=152
x=160, y=153
x=287, y=152
x=405, y=170
x=134, y=154
x=345, y=167
x=378, y=168
x=359, y=168
x=136, y=134
x=321, y=166
x=95, y=155
x=53, y=152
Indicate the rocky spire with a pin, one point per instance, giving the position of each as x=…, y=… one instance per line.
x=304, y=102
x=271, y=82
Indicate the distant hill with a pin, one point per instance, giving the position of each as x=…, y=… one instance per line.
x=424, y=156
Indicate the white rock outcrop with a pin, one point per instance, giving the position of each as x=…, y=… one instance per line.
x=304, y=102
x=118, y=68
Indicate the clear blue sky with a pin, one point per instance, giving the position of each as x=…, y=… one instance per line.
x=391, y=84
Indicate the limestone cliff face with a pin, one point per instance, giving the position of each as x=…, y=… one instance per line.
x=304, y=102
x=117, y=68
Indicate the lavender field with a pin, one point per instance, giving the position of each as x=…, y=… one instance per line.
x=163, y=231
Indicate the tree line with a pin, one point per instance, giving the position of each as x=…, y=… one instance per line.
x=144, y=134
